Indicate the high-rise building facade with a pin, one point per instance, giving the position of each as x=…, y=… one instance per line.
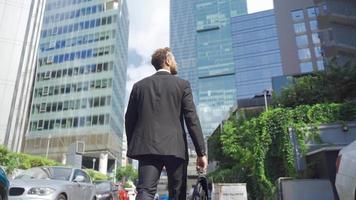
x=80, y=80
x=20, y=25
x=183, y=40
x=215, y=61
x=256, y=52
x=298, y=34
x=337, y=24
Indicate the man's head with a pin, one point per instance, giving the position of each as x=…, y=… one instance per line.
x=164, y=59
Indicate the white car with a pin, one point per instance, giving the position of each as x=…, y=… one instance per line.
x=346, y=173
x=52, y=183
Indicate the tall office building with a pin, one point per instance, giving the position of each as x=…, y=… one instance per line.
x=20, y=25
x=215, y=61
x=183, y=40
x=256, y=52
x=337, y=24
x=298, y=34
x=80, y=81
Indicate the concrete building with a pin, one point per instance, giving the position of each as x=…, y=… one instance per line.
x=256, y=53
x=337, y=22
x=299, y=42
x=80, y=82
x=20, y=25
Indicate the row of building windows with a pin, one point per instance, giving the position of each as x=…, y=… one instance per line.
x=75, y=41
x=63, y=3
x=304, y=48
x=306, y=67
x=73, y=14
x=77, y=104
x=73, y=88
x=84, y=54
x=75, y=71
x=71, y=122
x=302, y=40
x=78, y=26
x=298, y=15
x=300, y=28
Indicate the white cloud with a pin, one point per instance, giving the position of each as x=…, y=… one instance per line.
x=259, y=5
x=149, y=30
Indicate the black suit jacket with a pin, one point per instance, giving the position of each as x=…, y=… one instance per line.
x=154, y=118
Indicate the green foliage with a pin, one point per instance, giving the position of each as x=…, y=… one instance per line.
x=126, y=173
x=334, y=85
x=96, y=176
x=259, y=149
x=13, y=160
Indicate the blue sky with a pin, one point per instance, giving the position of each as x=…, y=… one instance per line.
x=149, y=30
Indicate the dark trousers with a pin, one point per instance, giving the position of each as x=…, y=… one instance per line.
x=149, y=171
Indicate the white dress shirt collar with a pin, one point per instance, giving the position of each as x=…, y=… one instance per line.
x=163, y=70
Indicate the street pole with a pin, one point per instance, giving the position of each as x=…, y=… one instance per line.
x=265, y=96
x=94, y=163
x=49, y=139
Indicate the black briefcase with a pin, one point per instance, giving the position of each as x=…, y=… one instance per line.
x=202, y=189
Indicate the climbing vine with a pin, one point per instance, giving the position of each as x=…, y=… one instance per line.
x=259, y=148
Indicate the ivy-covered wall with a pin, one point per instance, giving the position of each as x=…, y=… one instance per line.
x=257, y=150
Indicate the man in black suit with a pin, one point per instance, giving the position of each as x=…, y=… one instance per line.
x=156, y=137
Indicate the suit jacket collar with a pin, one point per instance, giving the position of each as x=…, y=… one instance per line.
x=162, y=73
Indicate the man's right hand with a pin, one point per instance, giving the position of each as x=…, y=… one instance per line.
x=202, y=163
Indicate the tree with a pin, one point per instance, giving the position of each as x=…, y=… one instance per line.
x=334, y=85
x=126, y=173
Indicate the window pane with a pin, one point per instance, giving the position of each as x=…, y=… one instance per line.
x=320, y=65
x=302, y=41
x=297, y=15
x=311, y=12
x=299, y=28
x=313, y=25
x=315, y=38
x=306, y=67
x=304, y=54
x=317, y=52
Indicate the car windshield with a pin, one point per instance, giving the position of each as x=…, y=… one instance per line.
x=55, y=173
x=103, y=186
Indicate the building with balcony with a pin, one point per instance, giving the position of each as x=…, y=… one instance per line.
x=337, y=22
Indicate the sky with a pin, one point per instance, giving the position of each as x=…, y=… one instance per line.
x=149, y=30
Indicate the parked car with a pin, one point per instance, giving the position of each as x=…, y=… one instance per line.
x=4, y=185
x=346, y=172
x=52, y=183
x=106, y=190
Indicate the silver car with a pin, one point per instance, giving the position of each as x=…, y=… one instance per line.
x=52, y=183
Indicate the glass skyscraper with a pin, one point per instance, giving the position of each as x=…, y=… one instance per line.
x=183, y=40
x=80, y=80
x=215, y=61
x=256, y=52
x=20, y=25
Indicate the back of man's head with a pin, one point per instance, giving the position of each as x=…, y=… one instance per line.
x=159, y=57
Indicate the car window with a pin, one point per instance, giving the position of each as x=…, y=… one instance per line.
x=86, y=177
x=103, y=186
x=78, y=172
x=56, y=173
